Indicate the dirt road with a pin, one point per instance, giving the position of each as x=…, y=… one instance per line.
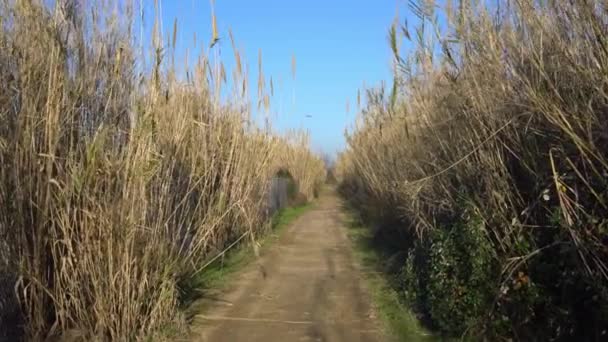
x=304, y=287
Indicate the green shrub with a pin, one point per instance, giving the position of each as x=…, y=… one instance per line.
x=453, y=277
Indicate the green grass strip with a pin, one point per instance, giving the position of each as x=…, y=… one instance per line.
x=398, y=320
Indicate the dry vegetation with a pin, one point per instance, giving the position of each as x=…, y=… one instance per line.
x=118, y=179
x=488, y=160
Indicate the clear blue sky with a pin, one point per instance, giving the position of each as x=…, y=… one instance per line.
x=338, y=44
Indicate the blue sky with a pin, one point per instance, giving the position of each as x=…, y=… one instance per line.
x=339, y=45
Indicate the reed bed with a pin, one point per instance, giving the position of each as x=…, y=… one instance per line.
x=119, y=177
x=488, y=162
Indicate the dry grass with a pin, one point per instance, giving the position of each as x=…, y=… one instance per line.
x=117, y=184
x=506, y=112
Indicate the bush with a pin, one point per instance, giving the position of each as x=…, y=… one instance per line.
x=452, y=277
x=461, y=278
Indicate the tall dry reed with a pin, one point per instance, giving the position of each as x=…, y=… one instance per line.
x=117, y=180
x=497, y=123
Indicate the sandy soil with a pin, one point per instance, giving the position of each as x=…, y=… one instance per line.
x=304, y=287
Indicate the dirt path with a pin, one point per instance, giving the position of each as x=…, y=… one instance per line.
x=305, y=287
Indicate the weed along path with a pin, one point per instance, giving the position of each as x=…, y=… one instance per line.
x=304, y=287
